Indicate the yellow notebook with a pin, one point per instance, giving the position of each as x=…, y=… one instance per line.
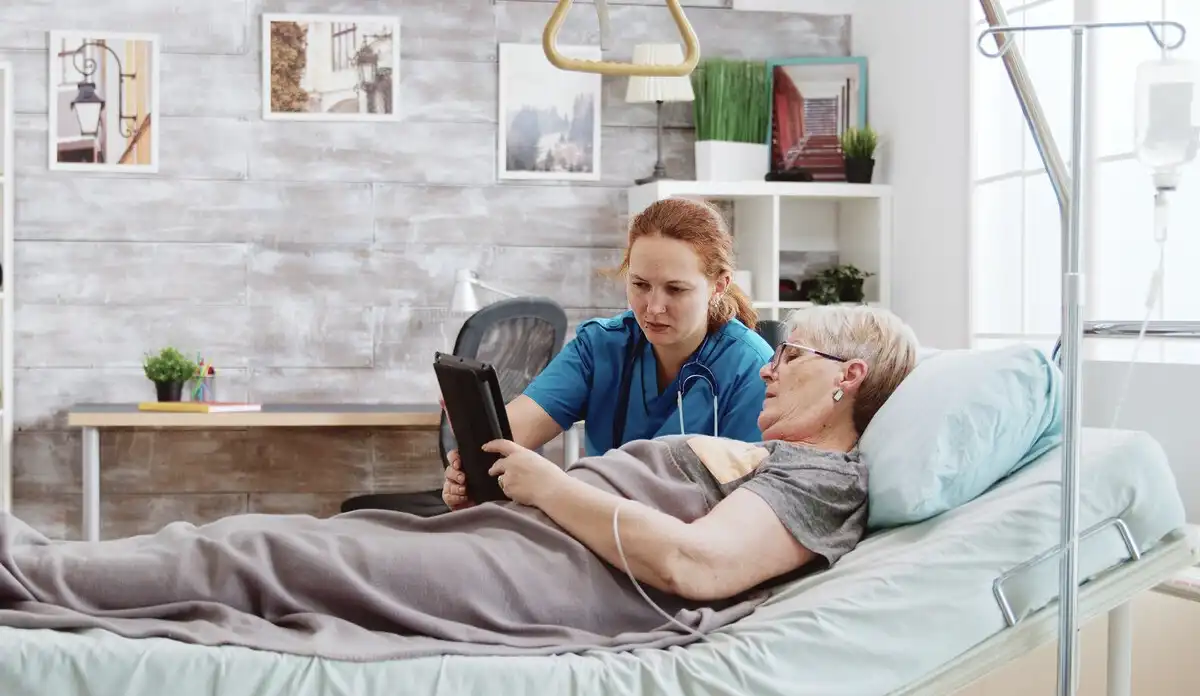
x=198, y=406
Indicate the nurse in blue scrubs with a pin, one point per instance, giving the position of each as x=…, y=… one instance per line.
x=688, y=339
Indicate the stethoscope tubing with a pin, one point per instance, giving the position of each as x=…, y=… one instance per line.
x=632, y=350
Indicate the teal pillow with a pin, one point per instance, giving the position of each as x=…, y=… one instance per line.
x=961, y=421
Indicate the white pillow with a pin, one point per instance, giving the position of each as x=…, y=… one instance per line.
x=961, y=421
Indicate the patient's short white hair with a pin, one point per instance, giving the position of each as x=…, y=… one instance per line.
x=872, y=334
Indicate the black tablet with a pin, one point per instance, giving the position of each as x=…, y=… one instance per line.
x=475, y=407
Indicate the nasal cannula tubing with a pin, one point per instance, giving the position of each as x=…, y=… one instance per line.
x=638, y=587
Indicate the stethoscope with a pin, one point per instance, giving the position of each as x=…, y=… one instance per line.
x=633, y=348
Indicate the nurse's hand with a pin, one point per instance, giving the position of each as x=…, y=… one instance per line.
x=454, y=488
x=525, y=476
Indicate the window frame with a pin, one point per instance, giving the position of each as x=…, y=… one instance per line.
x=1022, y=174
x=343, y=42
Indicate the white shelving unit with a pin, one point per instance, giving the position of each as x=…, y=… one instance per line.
x=6, y=285
x=770, y=218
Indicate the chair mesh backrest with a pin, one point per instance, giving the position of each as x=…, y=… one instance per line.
x=518, y=337
x=519, y=348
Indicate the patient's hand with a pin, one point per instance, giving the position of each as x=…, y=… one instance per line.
x=526, y=475
x=454, y=488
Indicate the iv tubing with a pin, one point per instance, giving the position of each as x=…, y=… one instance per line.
x=1153, y=295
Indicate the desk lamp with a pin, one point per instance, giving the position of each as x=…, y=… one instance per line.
x=657, y=90
x=464, y=299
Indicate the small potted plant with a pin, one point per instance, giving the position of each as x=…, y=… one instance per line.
x=858, y=154
x=823, y=291
x=849, y=280
x=843, y=283
x=169, y=370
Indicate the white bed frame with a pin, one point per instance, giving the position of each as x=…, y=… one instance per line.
x=1167, y=568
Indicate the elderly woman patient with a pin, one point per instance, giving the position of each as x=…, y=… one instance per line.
x=704, y=525
x=797, y=497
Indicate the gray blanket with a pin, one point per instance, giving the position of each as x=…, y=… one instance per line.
x=496, y=579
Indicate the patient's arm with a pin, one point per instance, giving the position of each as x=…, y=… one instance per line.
x=736, y=546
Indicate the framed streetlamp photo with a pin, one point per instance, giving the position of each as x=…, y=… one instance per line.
x=330, y=67
x=103, y=101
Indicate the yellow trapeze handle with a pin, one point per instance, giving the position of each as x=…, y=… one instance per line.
x=608, y=67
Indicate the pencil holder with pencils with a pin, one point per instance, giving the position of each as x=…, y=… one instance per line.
x=204, y=383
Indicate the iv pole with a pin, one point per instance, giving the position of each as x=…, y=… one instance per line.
x=1072, y=321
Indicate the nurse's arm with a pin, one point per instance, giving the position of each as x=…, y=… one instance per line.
x=531, y=426
x=557, y=397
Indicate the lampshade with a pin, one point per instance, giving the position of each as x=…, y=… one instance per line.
x=464, y=299
x=654, y=89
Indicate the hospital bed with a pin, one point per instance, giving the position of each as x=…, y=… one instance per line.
x=920, y=609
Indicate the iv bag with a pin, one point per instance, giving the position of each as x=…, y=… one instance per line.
x=1167, y=120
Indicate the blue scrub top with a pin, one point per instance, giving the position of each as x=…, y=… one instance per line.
x=583, y=382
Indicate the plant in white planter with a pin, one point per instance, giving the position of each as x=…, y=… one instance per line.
x=730, y=110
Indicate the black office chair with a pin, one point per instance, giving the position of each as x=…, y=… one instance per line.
x=773, y=332
x=518, y=337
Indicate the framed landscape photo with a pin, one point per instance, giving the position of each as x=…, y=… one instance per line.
x=330, y=67
x=103, y=102
x=813, y=101
x=548, y=119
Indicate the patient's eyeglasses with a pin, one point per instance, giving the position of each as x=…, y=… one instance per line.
x=786, y=352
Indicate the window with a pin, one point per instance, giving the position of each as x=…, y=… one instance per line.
x=1016, y=238
x=343, y=39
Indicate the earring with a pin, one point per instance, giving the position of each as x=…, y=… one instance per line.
x=837, y=394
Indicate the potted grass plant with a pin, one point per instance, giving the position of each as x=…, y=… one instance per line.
x=730, y=111
x=858, y=153
x=169, y=370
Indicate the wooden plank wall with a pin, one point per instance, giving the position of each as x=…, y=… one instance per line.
x=312, y=261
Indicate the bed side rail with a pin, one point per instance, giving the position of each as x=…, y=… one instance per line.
x=1131, y=548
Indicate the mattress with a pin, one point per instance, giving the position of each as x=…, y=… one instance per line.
x=841, y=631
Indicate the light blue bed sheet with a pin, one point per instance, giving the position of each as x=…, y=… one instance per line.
x=838, y=632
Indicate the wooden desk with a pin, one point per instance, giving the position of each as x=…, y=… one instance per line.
x=92, y=417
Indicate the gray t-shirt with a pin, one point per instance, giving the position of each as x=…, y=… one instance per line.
x=820, y=496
